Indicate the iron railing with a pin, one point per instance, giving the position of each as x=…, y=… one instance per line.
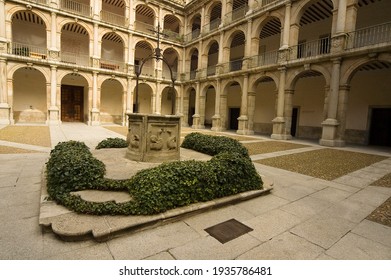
x=267, y=58
x=311, y=48
x=27, y=50
x=112, y=18
x=369, y=36
x=75, y=58
x=113, y=65
x=76, y=7
x=144, y=27
x=236, y=14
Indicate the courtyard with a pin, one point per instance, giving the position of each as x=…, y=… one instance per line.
x=325, y=204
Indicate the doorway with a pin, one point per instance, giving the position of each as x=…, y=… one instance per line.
x=72, y=98
x=234, y=114
x=380, y=129
x=295, y=117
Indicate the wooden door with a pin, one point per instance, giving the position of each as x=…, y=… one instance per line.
x=72, y=103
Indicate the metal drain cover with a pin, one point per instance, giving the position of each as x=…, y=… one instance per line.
x=228, y=230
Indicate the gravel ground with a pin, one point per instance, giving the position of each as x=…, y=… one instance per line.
x=11, y=150
x=383, y=182
x=327, y=164
x=382, y=214
x=264, y=147
x=32, y=135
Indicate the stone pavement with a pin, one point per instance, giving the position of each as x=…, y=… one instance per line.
x=302, y=218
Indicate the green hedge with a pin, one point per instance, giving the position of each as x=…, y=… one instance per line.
x=72, y=167
x=213, y=145
x=112, y=143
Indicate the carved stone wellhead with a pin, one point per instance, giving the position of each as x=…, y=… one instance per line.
x=153, y=138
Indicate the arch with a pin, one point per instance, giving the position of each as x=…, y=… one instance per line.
x=145, y=98
x=61, y=74
x=29, y=33
x=44, y=71
x=293, y=76
x=172, y=22
x=230, y=35
x=111, y=101
x=208, y=44
x=255, y=79
x=44, y=17
x=260, y=23
x=168, y=101
x=29, y=95
x=227, y=83
x=75, y=44
x=301, y=8
x=66, y=21
x=113, y=36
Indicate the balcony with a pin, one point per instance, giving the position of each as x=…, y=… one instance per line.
x=144, y=27
x=369, y=36
x=147, y=71
x=236, y=14
x=311, y=48
x=112, y=18
x=267, y=58
x=192, y=35
x=42, y=2
x=211, y=70
x=76, y=7
x=112, y=65
x=213, y=25
x=75, y=58
x=26, y=50
x=173, y=35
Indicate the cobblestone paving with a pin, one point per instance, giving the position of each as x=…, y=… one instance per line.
x=327, y=164
x=384, y=181
x=12, y=150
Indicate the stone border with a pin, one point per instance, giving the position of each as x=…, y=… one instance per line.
x=71, y=226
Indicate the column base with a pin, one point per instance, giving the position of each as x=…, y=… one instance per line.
x=94, y=118
x=279, y=129
x=216, y=123
x=5, y=114
x=197, y=122
x=281, y=136
x=332, y=143
x=329, y=132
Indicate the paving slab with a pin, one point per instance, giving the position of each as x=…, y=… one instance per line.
x=369, y=196
x=145, y=244
x=323, y=231
x=374, y=231
x=306, y=207
x=286, y=246
x=208, y=248
x=331, y=195
x=356, y=247
x=271, y=224
x=260, y=205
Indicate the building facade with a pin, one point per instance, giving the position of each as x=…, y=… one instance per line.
x=314, y=69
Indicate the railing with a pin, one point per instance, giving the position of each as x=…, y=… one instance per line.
x=236, y=14
x=214, y=24
x=28, y=50
x=211, y=70
x=76, y=7
x=147, y=70
x=43, y=2
x=74, y=58
x=267, y=2
x=369, y=36
x=192, y=35
x=144, y=27
x=311, y=48
x=193, y=74
x=267, y=58
x=112, y=18
x=166, y=74
x=173, y=35
x=113, y=65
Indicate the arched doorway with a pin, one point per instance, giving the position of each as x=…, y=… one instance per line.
x=29, y=96
x=234, y=100
x=144, y=99
x=210, y=101
x=74, y=98
x=111, y=102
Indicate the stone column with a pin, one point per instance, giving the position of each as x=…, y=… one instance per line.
x=96, y=53
x=288, y=112
x=196, y=116
x=54, y=116
x=251, y=111
x=279, y=122
x=243, y=119
x=129, y=95
x=330, y=125
x=287, y=25
x=95, y=111
x=4, y=106
x=247, y=46
x=216, y=120
x=338, y=40
x=3, y=36
x=341, y=113
x=130, y=59
x=202, y=19
x=158, y=100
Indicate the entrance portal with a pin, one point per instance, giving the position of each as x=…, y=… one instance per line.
x=72, y=103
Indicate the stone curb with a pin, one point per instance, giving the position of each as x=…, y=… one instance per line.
x=71, y=226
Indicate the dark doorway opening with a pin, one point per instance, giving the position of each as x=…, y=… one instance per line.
x=295, y=117
x=234, y=114
x=380, y=129
x=190, y=116
x=72, y=98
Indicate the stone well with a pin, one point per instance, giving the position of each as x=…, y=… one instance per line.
x=153, y=138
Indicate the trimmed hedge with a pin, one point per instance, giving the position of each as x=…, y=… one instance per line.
x=72, y=167
x=112, y=143
x=213, y=145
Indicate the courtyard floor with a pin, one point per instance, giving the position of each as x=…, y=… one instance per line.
x=325, y=203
